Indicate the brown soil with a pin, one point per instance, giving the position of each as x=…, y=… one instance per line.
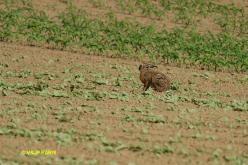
x=194, y=132
x=168, y=21
x=202, y=123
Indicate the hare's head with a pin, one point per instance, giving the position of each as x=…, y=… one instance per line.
x=147, y=66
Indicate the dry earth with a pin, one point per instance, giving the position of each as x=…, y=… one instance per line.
x=90, y=108
x=91, y=111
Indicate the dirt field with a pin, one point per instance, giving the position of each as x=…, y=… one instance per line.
x=90, y=109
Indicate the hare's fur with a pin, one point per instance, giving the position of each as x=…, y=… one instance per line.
x=149, y=76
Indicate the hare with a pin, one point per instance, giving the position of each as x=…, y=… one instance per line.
x=150, y=77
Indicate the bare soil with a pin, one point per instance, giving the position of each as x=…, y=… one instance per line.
x=198, y=134
x=91, y=109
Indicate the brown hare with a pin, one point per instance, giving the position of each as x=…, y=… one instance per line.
x=150, y=77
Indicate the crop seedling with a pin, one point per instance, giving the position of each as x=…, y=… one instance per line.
x=101, y=98
x=123, y=38
x=158, y=150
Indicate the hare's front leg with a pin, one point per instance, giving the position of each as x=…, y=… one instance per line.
x=146, y=86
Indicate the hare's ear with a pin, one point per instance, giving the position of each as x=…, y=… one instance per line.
x=140, y=67
x=153, y=66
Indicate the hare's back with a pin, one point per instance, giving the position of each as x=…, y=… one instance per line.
x=160, y=82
